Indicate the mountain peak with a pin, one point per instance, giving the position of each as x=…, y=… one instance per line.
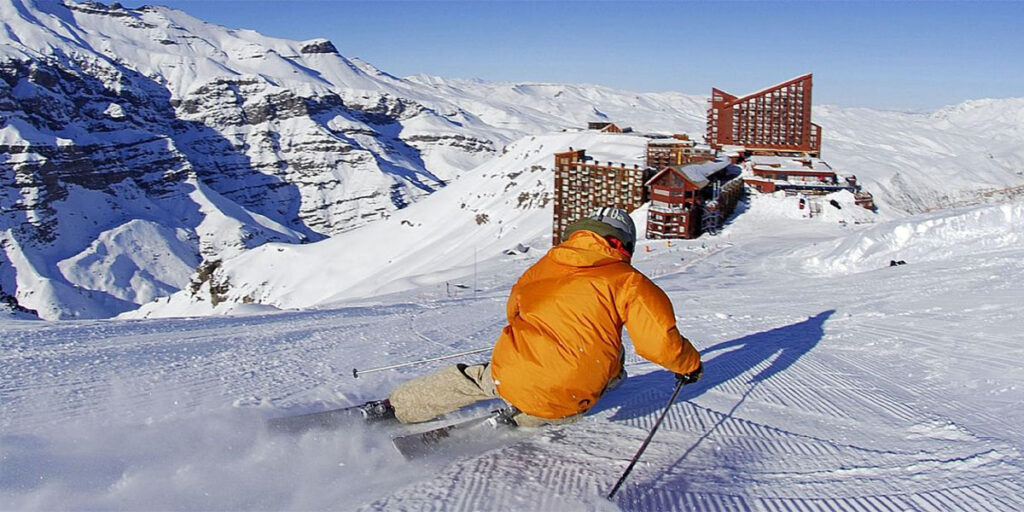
x=318, y=46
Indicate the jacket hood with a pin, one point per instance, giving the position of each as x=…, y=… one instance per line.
x=586, y=249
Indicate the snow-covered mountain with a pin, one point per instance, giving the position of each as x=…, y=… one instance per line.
x=959, y=155
x=115, y=119
x=145, y=152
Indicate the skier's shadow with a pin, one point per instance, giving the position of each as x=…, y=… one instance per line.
x=773, y=351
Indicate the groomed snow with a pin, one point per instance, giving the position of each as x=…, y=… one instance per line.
x=883, y=388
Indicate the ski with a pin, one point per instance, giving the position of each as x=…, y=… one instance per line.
x=416, y=445
x=378, y=411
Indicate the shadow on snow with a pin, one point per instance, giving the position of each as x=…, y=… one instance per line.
x=768, y=353
x=779, y=348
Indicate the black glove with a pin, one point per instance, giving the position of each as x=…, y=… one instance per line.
x=694, y=376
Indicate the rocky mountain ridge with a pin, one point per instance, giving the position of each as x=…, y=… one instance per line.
x=141, y=147
x=94, y=139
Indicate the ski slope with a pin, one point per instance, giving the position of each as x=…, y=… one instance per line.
x=831, y=384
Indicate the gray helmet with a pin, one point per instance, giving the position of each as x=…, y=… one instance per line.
x=620, y=220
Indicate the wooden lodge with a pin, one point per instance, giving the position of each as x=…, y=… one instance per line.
x=689, y=200
x=606, y=127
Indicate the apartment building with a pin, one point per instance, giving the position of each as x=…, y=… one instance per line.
x=583, y=184
x=776, y=120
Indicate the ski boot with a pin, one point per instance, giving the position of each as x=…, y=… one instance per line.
x=377, y=410
x=503, y=418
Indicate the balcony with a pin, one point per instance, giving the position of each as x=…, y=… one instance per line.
x=670, y=208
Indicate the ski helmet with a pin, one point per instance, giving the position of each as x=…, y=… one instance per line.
x=620, y=221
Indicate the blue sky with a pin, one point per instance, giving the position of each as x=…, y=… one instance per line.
x=891, y=55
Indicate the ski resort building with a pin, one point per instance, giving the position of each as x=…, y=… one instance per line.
x=606, y=127
x=801, y=175
x=678, y=150
x=765, y=141
x=583, y=184
x=688, y=200
x=773, y=121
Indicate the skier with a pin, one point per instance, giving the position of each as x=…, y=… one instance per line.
x=562, y=347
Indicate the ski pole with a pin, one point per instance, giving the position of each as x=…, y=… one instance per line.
x=357, y=372
x=679, y=386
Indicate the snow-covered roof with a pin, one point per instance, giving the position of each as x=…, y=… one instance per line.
x=789, y=163
x=697, y=174
x=671, y=142
x=773, y=160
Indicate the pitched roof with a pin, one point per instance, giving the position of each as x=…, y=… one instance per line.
x=697, y=174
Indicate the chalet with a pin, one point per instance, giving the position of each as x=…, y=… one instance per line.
x=688, y=200
x=606, y=127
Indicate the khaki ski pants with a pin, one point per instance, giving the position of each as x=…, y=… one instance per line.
x=454, y=387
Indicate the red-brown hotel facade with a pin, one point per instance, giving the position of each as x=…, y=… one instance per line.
x=690, y=191
x=773, y=120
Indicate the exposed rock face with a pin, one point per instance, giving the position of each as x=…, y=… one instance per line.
x=284, y=156
x=319, y=46
x=91, y=142
x=467, y=144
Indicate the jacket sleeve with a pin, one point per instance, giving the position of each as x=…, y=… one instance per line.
x=514, y=295
x=512, y=304
x=651, y=323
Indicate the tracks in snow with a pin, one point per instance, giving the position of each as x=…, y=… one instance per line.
x=811, y=400
x=150, y=369
x=815, y=410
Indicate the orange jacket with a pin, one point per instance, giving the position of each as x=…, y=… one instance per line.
x=564, y=333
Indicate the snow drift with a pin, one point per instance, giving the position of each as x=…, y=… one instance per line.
x=938, y=237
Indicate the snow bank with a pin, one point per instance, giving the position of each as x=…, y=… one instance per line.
x=932, y=237
x=816, y=208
